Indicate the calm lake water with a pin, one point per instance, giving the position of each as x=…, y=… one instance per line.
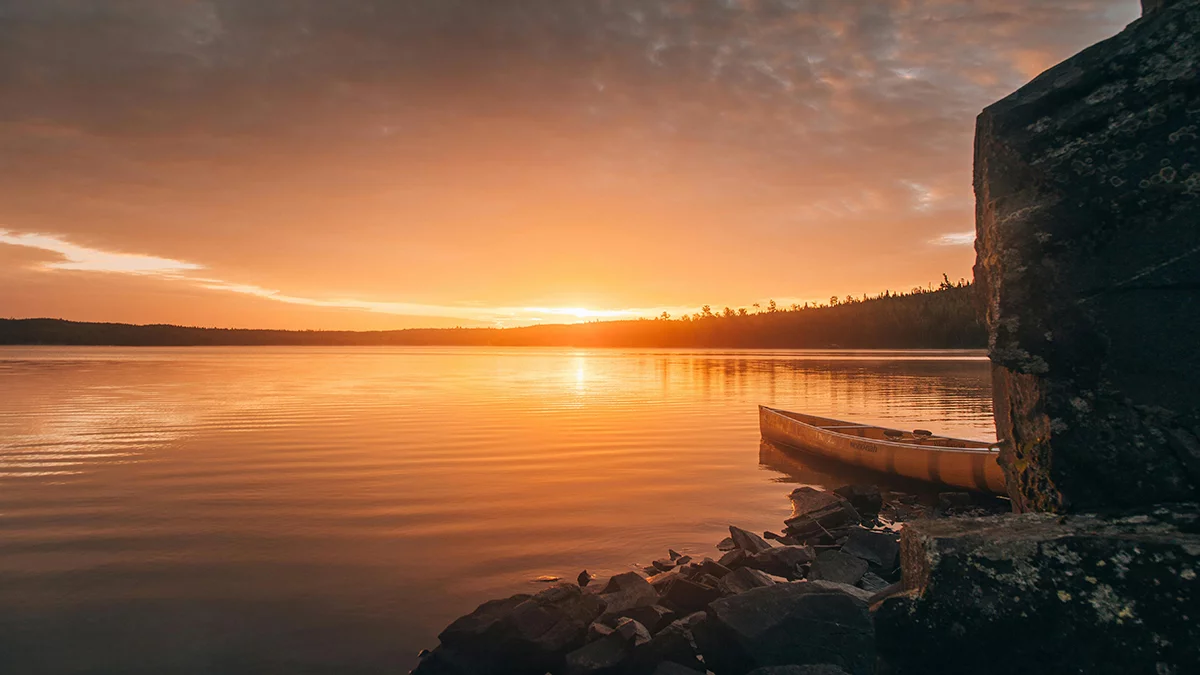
x=329, y=510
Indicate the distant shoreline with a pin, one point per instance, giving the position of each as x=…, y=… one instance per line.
x=939, y=319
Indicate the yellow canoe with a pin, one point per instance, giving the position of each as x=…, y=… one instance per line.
x=937, y=459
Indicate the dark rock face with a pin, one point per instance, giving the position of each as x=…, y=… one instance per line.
x=842, y=568
x=742, y=580
x=787, y=624
x=516, y=636
x=748, y=542
x=1088, y=264
x=1080, y=594
x=879, y=549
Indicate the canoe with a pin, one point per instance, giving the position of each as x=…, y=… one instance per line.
x=920, y=455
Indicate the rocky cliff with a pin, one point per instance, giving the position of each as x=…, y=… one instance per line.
x=1088, y=221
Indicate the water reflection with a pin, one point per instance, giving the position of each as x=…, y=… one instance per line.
x=286, y=509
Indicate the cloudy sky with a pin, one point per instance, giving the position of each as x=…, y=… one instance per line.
x=393, y=163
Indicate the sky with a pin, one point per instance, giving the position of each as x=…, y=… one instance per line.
x=381, y=164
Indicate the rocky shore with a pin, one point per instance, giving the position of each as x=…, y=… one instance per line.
x=799, y=601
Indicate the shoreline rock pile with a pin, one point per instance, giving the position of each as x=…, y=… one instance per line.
x=803, y=600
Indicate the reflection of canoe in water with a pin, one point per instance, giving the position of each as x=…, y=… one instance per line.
x=952, y=461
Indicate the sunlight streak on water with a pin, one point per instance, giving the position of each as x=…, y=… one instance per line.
x=240, y=510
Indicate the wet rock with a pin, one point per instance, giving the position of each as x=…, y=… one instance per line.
x=839, y=567
x=815, y=669
x=726, y=544
x=515, y=636
x=583, y=579
x=683, y=560
x=1088, y=194
x=818, y=515
x=742, y=580
x=866, y=499
x=685, y=595
x=674, y=554
x=664, y=564
x=1077, y=594
x=787, y=624
x=880, y=549
x=748, y=541
x=785, y=561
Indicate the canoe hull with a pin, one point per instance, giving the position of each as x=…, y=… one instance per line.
x=973, y=467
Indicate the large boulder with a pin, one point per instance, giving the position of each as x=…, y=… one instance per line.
x=1088, y=266
x=880, y=549
x=747, y=541
x=521, y=635
x=787, y=624
x=1047, y=594
x=742, y=580
x=625, y=592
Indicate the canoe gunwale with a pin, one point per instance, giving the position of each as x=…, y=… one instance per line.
x=992, y=449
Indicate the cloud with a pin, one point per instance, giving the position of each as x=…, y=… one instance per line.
x=955, y=239
x=84, y=259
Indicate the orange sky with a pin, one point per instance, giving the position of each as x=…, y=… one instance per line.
x=383, y=164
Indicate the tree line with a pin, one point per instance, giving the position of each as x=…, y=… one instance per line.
x=941, y=317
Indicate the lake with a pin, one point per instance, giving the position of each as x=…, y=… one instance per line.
x=329, y=510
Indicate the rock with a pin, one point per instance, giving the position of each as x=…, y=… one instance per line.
x=784, y=561
x=710, y=566
x=674, y=554
x=873, y=583
x=817, y=514
x=815, y=669
x=633, y=631
x=683, y=560
x=733, y=559
x=598, y=630
x=625, y=592
x=673, y=644
x=662, y=581
x=787, y=624
x=742, y=580
x=583, y=579
x=1088, y=195
x=866, y=499
x=950, y=503
x=672, y=668
x=853, y=591
x=685, y=595
x=771, y=536
x=748, y=541
x=880, y=549
x=726, y=544
x=653, y=617
x=1076, y=594
x=664, y=564
x=842, y=568
x=521, y=635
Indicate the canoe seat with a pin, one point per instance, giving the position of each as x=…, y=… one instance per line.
x=893, y=434
x=922, y=433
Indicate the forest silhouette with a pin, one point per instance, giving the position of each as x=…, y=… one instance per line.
x=941, y=317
